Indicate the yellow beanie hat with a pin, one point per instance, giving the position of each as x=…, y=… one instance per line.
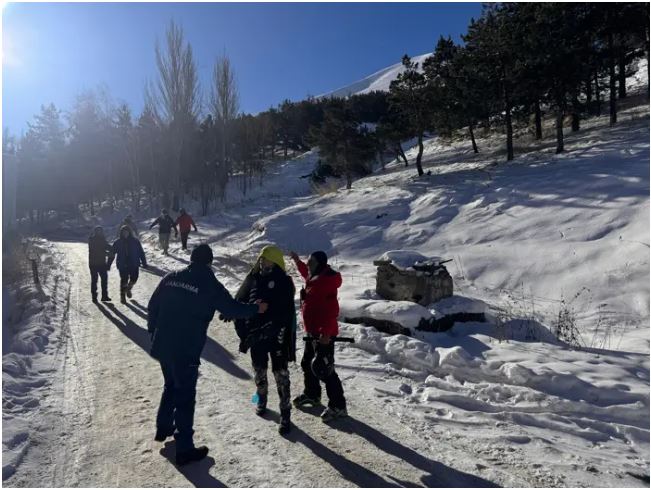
x=273, y=254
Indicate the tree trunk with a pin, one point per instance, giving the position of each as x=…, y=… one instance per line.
x=597, y=94
x=349, y=181
x=576, y=118
x=538, y=120
x=613, y=80
x=509, y=134
x=401, y=153
x=588, y=95
x=420, y=154
x=92, y=207
x=472, y=137
x=560, y=147
x=621, y=74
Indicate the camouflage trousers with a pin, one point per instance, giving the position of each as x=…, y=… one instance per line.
x=260, y=360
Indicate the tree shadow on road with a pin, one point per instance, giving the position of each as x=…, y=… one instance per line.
x=439, y=475
x=349, y=470
x=128, y=327
x=142, y=314
x=196, y=473
x=157, y=271
x=213, y=352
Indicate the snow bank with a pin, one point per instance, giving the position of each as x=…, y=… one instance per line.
x=407, y=259
x=405, y=313
x=32, y=314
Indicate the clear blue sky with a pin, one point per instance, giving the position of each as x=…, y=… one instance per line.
x=53, y=51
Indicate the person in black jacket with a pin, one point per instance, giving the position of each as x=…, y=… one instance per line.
x=165, y=224
x=100, y=256
x=273, y=334
x=180, y=310
x=130, y=256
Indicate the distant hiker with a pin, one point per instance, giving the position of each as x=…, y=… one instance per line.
x=184, y=222
x=320, y=310
x=100, y=256
x=130, y=256
x=165, y=224
x=272, y=334
x=128, y=221
x=180, y=310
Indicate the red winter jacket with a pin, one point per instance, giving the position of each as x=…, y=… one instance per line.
x=185, y=222
x=320, y=307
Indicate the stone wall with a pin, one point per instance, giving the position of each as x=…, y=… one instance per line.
x=420, y=286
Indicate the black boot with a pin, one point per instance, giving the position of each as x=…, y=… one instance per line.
x=285, y=423
x=194, y=454
x=94, y=296
x=123, y=298
x=105, y=297
x=161, y=435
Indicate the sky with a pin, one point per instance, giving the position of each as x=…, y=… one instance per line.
x=52, y=52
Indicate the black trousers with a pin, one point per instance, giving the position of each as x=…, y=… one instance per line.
x=334, y=388
x=260, y=359
x=128, y=277
x=177, y=403
x=100, y=271
x=184, y=239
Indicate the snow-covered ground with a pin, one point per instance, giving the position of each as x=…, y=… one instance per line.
x=501, y=402
x=32, y=321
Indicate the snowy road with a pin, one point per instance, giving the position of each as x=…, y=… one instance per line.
x=99, y=430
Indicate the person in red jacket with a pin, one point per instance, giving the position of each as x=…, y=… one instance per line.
x=320, y=310
x=185, y=222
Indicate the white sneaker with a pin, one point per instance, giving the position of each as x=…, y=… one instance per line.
x=330, y=414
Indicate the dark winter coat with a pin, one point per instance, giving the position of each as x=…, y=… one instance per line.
x=319, y=304
x=275, y=329
x=100, y=252
x=181, y=309
x=165, y=224
x=129, y=253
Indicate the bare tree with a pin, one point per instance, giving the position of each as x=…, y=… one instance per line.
x=175, y=98
x=225, y=104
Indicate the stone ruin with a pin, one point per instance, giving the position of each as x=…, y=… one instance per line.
x=405, y=276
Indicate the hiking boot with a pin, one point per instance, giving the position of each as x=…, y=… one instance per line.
x=331, y=413
x=261, y=407
x=123, y=299
x=194, y=454
x=106, y=299
x=285, y=423
x=303, y=400
x=161, y=435
x=129, y=290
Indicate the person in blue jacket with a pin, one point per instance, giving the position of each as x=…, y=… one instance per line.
x=129, y=256
x=180, y=310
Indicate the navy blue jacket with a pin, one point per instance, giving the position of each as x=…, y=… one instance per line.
x=129, y=253
x=181, y=309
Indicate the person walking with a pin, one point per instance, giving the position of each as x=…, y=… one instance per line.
x=165, y=224
x=273, y=334
x=320, y=309
x=129, y=256
x=185, y=222
x=100, y=256
x=180, y=310
x=128, y=221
